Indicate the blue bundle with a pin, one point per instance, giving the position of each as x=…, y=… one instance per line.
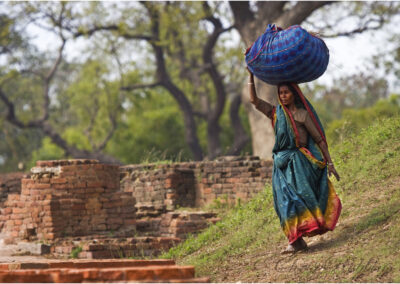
x=291, y=55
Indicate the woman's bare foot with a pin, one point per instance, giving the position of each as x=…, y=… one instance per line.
x=298, y=245
x=289, y=249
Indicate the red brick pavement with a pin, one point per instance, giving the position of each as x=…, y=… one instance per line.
x=83, y=271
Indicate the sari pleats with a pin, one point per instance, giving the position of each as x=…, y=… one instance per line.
x=304, y=198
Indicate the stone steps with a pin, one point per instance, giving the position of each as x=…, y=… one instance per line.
x=86, y=271
x=138, y=247
x=55, y=264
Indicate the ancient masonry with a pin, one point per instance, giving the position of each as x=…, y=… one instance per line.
x=194, y=184
x=69, y=198
x=84, y=271
x=109, y=211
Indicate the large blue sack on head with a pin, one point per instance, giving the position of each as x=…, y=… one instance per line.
x=291, y=55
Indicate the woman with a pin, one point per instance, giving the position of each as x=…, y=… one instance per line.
x=304, y=198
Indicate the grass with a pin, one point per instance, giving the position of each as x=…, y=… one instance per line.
x=75, y=252
x=242, y=227
x=245, y=244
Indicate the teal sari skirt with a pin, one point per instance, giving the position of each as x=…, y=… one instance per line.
x=304, y=198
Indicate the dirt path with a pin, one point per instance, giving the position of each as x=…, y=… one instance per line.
x=342, y=255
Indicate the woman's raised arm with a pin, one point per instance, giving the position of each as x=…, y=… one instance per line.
x=263, y=106
x=252, y=89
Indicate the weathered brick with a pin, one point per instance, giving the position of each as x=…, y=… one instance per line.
x=6, y=210
x=61, y=186
x=58, y=180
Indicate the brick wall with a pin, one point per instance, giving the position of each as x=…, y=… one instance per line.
x=69, y=198
x=194, y=184
x=160, y=185
x=9, y=184
x=73, y=198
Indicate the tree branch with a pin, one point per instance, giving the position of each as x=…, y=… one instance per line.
x=241, y=12
x=269, y=10
x=200, y=114
x=213, y=127
x=212, y=68
x=140, y=86
x=359, y=30
x=113, y=28
x=91, y=124
x=47, y=80
x=11, y=111
x=165, y=80
x=43, y=123
x=54, y=136
x=110, y=132
x=299, y=13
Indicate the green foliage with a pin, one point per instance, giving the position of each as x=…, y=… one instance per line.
x=376, y=149
x=16, y=146
x=9, y=37
x=75, y=252
x=87, y=105
x=151, y=131
x=353, y=120
x=379, y=215
x=357, y=91
x=47, y=151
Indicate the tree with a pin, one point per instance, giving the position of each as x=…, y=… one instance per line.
x=181, y=53
x=198, y=88
x=206, y=101
x=349, y=92
x=81, y=98
x=251, y=20
x=31, y=106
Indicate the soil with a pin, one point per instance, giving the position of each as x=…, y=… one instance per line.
x=326, y=254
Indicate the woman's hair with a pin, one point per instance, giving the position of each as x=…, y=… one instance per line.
x=297, y=99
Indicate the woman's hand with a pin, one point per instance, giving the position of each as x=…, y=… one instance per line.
x=332, y=170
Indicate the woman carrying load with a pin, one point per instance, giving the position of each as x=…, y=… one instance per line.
x=304, y=198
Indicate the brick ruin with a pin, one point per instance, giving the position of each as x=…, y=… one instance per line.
x=195, y=184
x=109, y=211
x=69, y=198
x=99, y=271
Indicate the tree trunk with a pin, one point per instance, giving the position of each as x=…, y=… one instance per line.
x=263, y=137
x=251, y=25
x=240, y=138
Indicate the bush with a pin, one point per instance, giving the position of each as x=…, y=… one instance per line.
x=354, y=120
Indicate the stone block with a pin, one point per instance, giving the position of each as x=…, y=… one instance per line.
x=33, y=248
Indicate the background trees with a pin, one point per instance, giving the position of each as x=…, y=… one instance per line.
x=326, y=18
x=127, y=82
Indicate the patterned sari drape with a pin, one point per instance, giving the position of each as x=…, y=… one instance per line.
x=304, y=198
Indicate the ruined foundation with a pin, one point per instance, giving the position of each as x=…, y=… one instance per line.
x=68, y=198
x=86, y=209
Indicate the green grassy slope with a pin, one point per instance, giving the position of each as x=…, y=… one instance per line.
x=245, y=246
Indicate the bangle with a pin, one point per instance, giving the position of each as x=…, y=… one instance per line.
x=250, y=83
x=330, y=164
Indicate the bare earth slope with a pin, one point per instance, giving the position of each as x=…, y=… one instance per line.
x=245, y=246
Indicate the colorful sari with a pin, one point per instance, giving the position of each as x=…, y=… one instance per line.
x=304, y=198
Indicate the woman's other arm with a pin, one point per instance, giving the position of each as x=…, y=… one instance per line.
x=331, y=168
x=316, y=136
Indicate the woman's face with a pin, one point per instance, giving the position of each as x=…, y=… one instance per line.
x=285, y=95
